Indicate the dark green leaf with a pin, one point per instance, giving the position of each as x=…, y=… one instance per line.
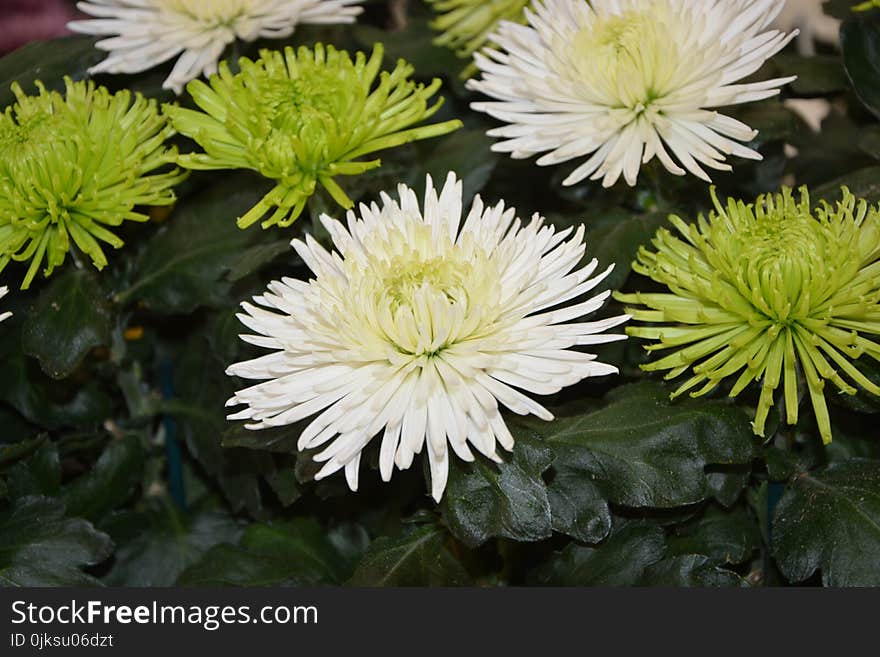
x=854, y=438
x=690, y=570
x=350, y=540
x=863, y=401
x=200, y=412
x=782, y=464
x=40, y=474
x=43, y=547
x=255, y=257
x=509, y=499
x=16, y=431
x=420, y=558
x=830, y=154
x=769, y=117
x=621, y=560
x=413, y=45
x=724, y=537
x=48, y=61
x=277, y=439
x=301, y=541
x=830, y=520
x=222, y=332
x=170, y=542
x=617, y=242
x=816, y=75
x=860, y=42
x=285, y=485
x=578, y=507
x=46, y=405
x=295, y=552
x=109, y=483
x=467, y=153
x=870, y=141
x=230, y=565
x=40, y=400
x=187, y=264
x=726, y=485
x=70, y=318
x=864, y=183
x=15, y=451
x=643, y=450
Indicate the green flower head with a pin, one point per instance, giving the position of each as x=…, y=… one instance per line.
x=765, y=291
x=466, y=25
x=301, y=118
x=73, y=165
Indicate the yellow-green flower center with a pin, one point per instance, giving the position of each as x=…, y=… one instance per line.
x=408, y=276
x=217, y=12
x=622, y=35
x=289, y=112
x=287, y=108
x=626, y=58
x=785, y=261
x=30, y=129
x=781, y=258
x=423, y=291
x=281, y=100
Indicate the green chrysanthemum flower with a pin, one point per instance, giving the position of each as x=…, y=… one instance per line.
x=466, y=25
x=71, y=165
x=301, y=118
x=763, y=291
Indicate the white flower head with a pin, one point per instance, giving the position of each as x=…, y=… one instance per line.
x=3, y=292
x=623, y=81
x=420, y=326
x=145, y=33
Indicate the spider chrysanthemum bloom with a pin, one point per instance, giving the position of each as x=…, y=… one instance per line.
x=145, y=33
x=621, y=82
x=303, y=117
x=73, y=166
x=761, y=291
x=3, y=292
x=467, y=24
x=420, y=326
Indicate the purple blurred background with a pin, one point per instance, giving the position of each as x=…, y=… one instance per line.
x=22, y=21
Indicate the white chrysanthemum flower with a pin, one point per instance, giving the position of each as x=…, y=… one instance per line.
x=417, y=327
x=3, y=292
x=146, y=33
x=624, y=81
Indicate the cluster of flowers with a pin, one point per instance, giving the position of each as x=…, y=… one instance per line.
x=428, y=318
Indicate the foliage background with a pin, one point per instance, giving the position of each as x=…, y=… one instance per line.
x=117, y=466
